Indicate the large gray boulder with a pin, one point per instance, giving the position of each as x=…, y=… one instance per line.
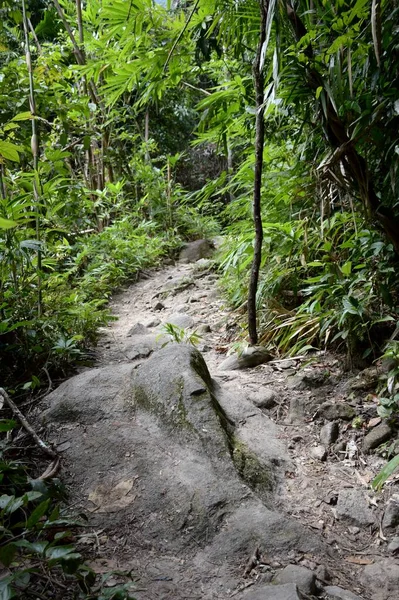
x=194, y=251
x=157, y=450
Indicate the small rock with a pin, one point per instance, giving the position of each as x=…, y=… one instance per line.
x=366, y=379
x=352, y=506
x=159, y=306
x=264, y=398
x=288, y=591
x=319, y=453
x=391, y=514
x=195, y=251
x=383, y=579
x=304, y=578
x=204, y=328
x=296, y=413
x=180, y=308
x=377, y=436
x=340, y=450
x=338, y=593
x=331, y=411
x=203, y=264
x=181, y=319
x=137, y=329
x=287, y=364
x=304, y=381
x=153, y=323
x=393, y=545
x=354, y=530
x=329, y=433
x=250, y=357
x=322, y=573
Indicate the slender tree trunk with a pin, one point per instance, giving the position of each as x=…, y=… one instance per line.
x=2, y=184
x=259, y=144
x=147, y=133
x=35, y=152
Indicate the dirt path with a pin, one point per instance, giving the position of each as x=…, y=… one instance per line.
x=326, y=484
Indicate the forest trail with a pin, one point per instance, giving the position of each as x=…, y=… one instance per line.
x=324, y=532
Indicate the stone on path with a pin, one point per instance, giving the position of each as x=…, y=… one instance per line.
x=137, y=329
x=250, y=357
x=180, y=319
x=142, y=346
x=332, y=411
x=301, y=576
x=336, y=593
x=377, y=436
x=194, y=251
x=391, y=514
x=393, y=545
x=329, y=433
x=319, y=452
x=296, y=412
x=264, y=398
x=352, y=506
x=287, y=591
x=382, y=578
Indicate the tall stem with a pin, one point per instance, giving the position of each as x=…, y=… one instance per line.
x=35, y=152
x=259, y=144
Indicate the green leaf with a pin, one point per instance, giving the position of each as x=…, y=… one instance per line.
x=386, y=472
x=347, y=268
x=23, y=116
x=7, y=554
x=56, y=552
x=7, y=223
x=38, y=514
x=7, y=424
x=10, y=504
x=9, y=151
x=6, y=591
x=34, y=547
x=318, y=92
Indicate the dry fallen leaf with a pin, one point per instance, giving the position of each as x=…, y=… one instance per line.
x=374, y=422
x=111, y=498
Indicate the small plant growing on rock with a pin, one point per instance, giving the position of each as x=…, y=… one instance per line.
x=180, y=335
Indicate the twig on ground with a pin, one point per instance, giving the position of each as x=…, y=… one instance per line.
x=49, y=451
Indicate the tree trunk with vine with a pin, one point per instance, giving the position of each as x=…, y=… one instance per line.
x=259, y=144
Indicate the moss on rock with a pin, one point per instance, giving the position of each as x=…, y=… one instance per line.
x=255, y=474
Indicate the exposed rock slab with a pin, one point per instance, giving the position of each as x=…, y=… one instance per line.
x=382, y=578
x=336, y=593
x=287, y=591
x=153, y=446
x=301, y=576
